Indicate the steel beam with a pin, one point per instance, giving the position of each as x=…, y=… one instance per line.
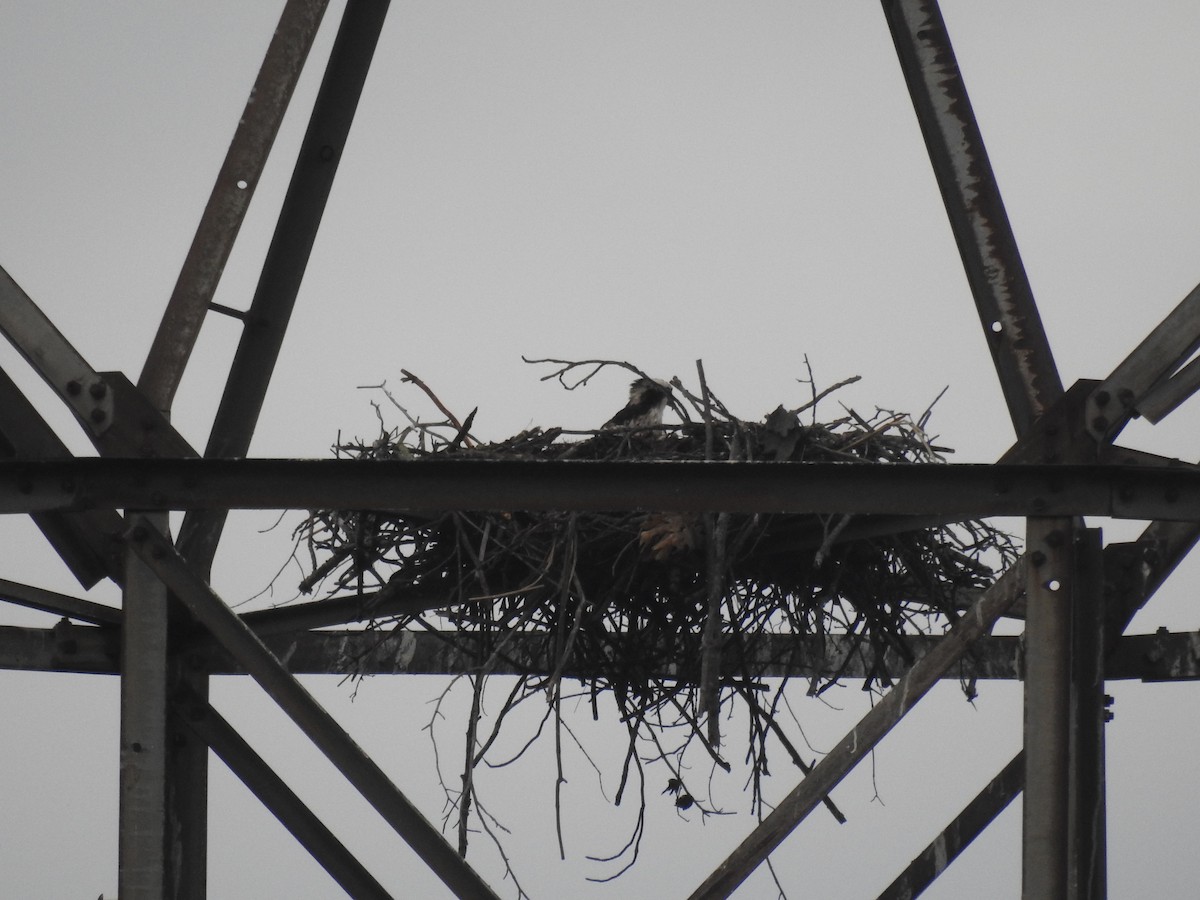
x=855, y=746
x=959, y=834
x=60, y=604
x=1050, y=589
x=271, y=309
x=995, y=273
x=157, y=552
x=1086, y=832
x=952, y=492
x=236, y=181
x=1162, y=656
x=141, y=842
x=306, y=827
x=1131, y=388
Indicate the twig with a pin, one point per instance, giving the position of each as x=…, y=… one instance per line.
x=450, y=417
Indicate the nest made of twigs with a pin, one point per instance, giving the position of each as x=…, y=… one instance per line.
x=658, y=608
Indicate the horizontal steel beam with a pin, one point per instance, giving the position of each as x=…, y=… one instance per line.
x=950, y=491
x=1163, y=656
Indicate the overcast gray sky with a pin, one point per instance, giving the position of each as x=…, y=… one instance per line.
x=659, y=182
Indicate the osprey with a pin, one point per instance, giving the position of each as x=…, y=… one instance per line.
x=648, y=397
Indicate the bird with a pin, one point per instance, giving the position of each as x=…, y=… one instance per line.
x=648, y=397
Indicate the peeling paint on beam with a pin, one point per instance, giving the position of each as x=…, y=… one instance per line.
x=1003, y=297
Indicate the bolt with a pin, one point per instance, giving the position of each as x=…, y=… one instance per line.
x=98, y=416
x=1037, y=557
x=1125, y=395
x=1054, y=538
x=74, y=388
x=98, y=390
x=1108, y=715
x=1102, y=398
x=1109, y=700
x=1100, y=423
x=327, y=153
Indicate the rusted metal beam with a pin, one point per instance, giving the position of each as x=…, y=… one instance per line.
x=305, y=826
x=855, y=746
x=995, y=273
x=160, y=556
x=1050, y=591
x=959, y=834
x=236, y=181
x=270, y=311
x=952, y=492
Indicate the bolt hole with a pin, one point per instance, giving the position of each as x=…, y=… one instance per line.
x=997, y=328
x=242, y=184
x=1053, y=584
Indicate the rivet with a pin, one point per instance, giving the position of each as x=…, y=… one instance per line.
x=1102, y=398
x=98, y=390
x=74, y=388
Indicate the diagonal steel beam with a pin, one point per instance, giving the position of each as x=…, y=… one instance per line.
x=995, y=273
x=271, y=309
x=276, y=796
x=158, y=554
x=855, y=746
x=958, y=835
x=236, y=181
x=60, y=604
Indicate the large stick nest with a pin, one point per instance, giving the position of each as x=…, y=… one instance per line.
x=658, y=608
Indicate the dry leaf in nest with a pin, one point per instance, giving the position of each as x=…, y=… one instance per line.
x=665, y=534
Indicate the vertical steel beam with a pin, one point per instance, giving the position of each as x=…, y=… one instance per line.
x=1049, y=590
x=141, y=841
x=287, y=257
x=1003, y=297
x=1086, y=868
x=855, y=746
x=236, y=181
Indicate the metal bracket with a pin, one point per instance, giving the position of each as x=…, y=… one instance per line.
x=59, y=364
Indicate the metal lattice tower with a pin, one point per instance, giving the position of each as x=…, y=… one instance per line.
x=1076, y=595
